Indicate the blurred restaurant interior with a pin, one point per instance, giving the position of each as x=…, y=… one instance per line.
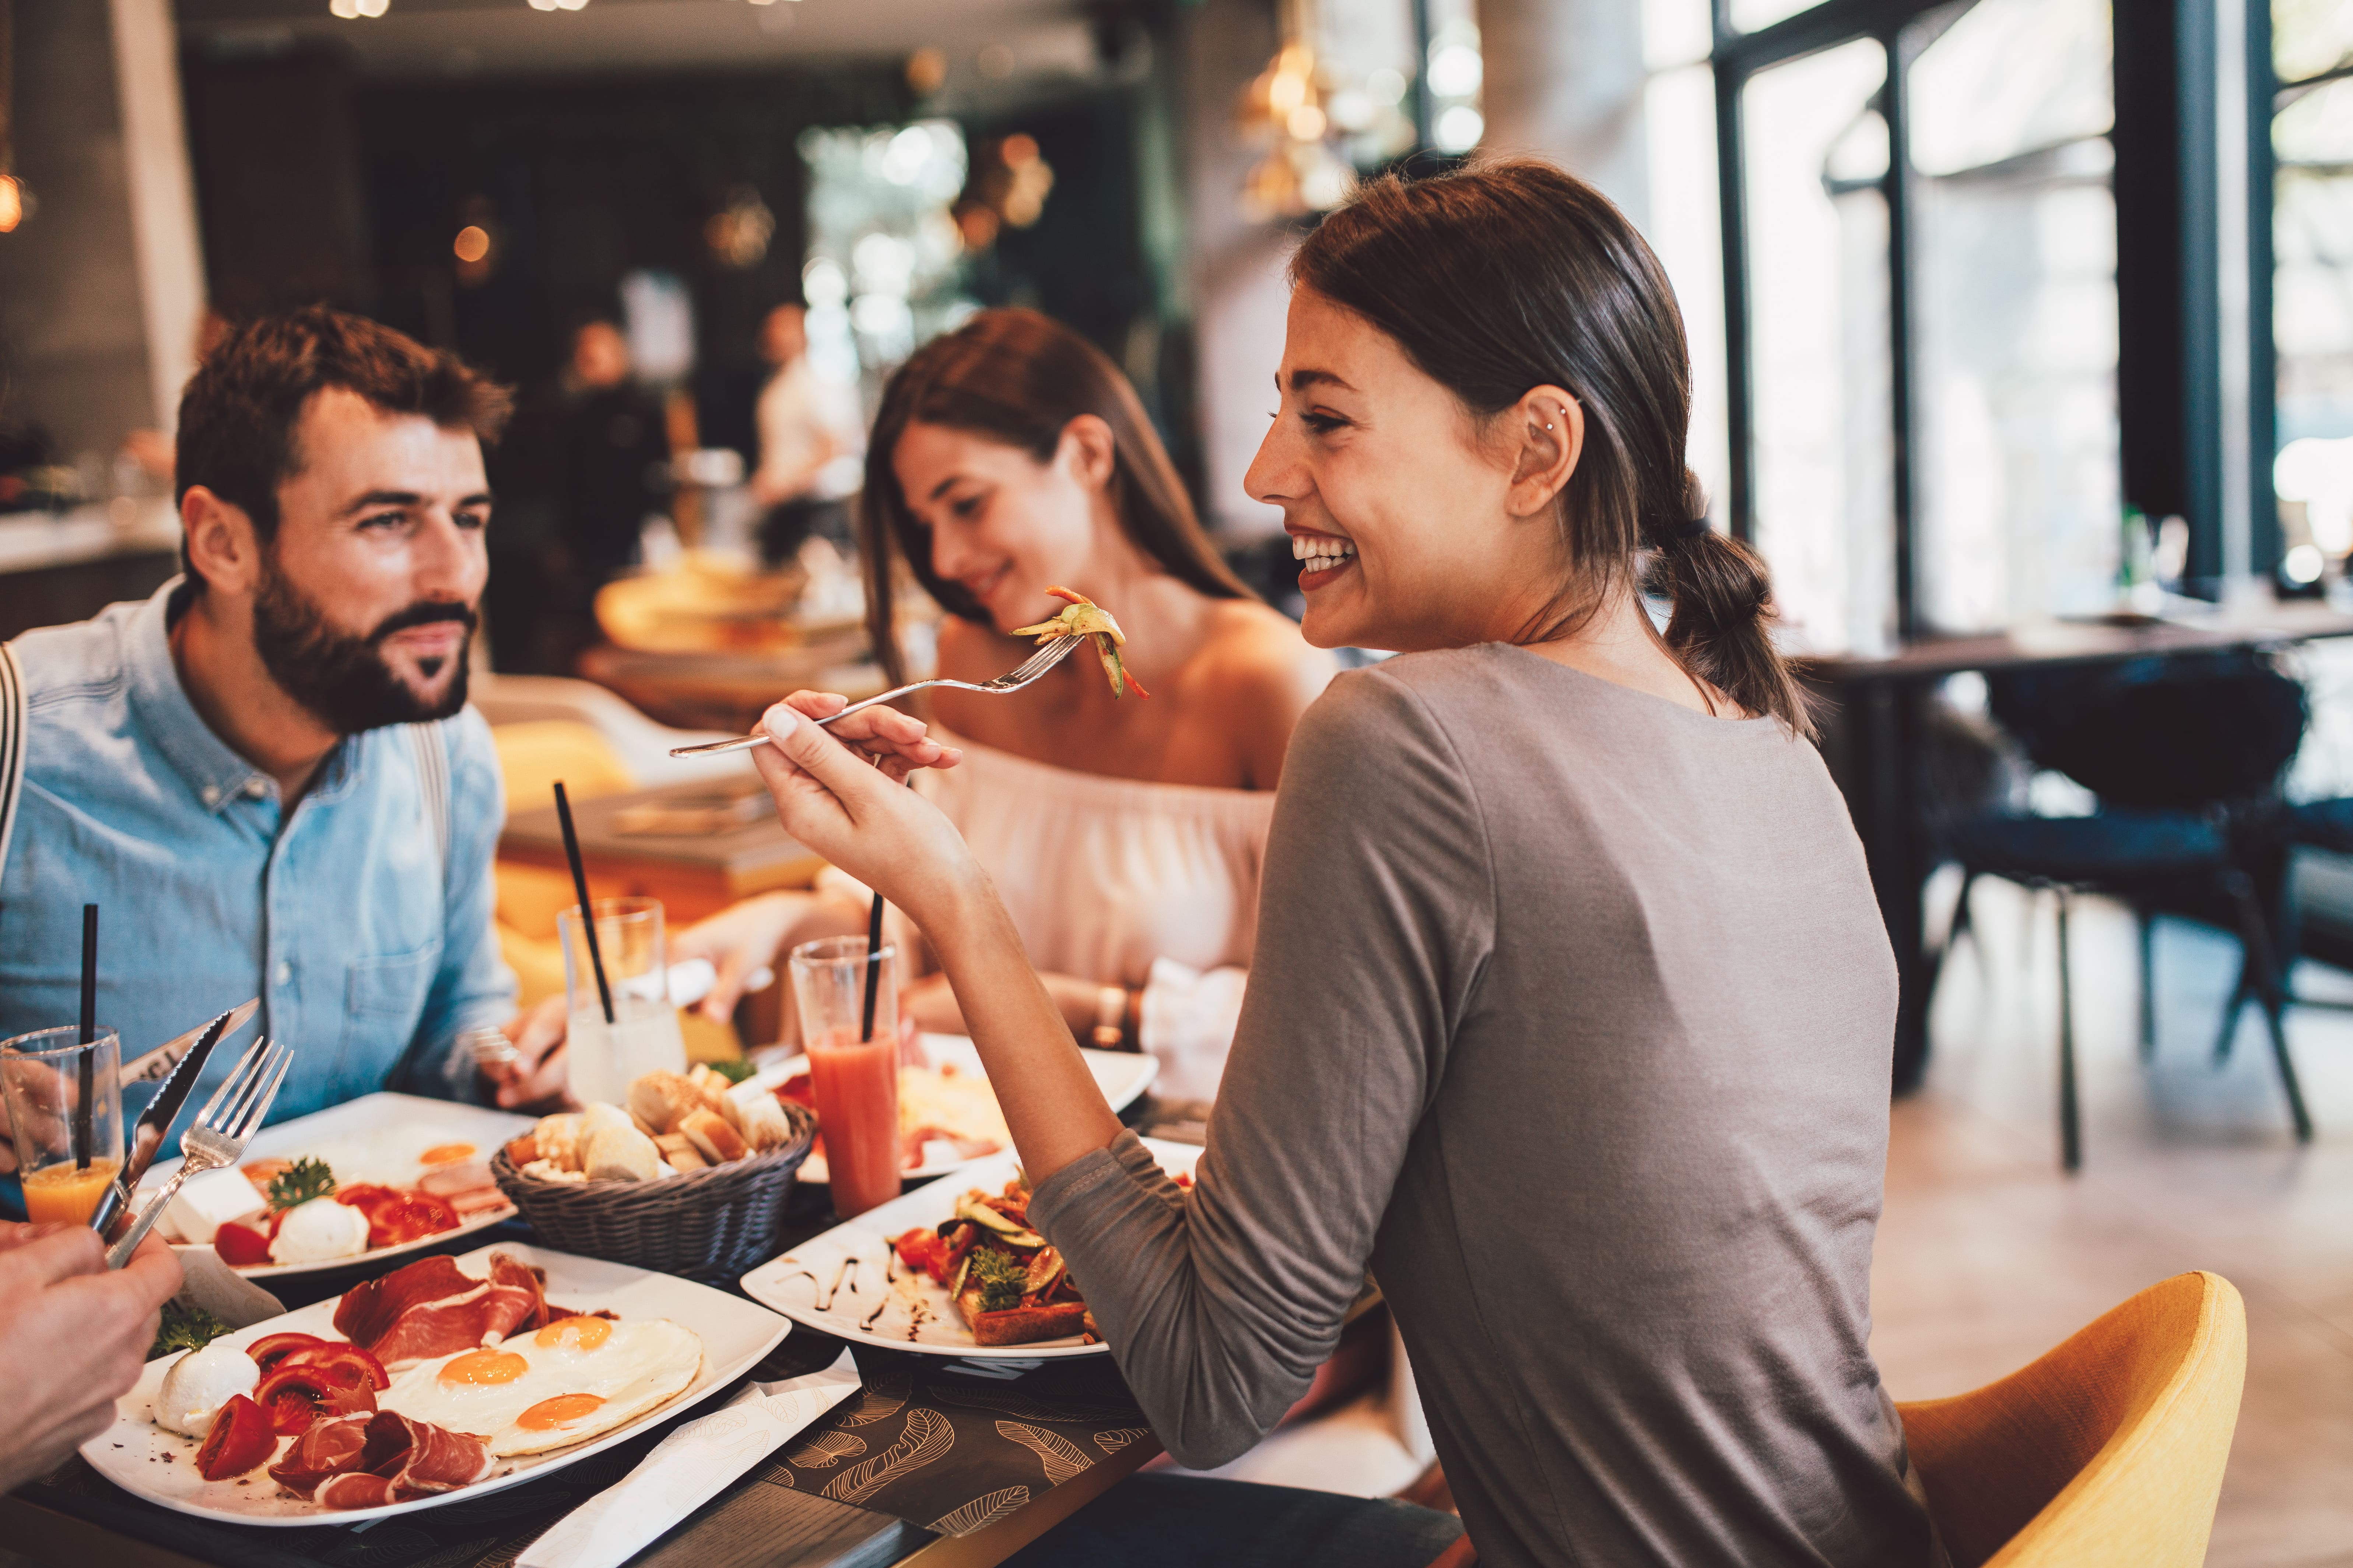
x=2021, y=351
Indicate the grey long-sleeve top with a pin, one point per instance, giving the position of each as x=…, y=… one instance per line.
x=1570, y=1019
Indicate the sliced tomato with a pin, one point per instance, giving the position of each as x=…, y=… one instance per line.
x=295, y=1396
x=396, y=1215
x=241, y=1245
x=240, y=1437
x=919, y=1248
x=270, y=1349
x=346, y=1364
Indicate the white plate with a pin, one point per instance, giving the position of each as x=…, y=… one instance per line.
x=148, y=1461
x=379, y=1124
x=852, y=1271
x=1123, y=1075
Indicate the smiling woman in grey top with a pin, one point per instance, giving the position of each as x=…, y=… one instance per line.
x=1571, y=1012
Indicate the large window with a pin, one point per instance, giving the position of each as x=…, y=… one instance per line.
x=1921, y=296
x=2312, y=297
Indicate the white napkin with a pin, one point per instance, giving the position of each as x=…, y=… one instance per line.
x=209, y=1283
x=686, y=1469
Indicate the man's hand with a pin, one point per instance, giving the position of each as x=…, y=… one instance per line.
x=77, y=1335
x=541, y=1070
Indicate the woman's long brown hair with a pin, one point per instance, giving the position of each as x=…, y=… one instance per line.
x=1515, y=275
x=1020, y=378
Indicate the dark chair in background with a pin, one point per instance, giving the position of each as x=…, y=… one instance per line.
x=2185, y=755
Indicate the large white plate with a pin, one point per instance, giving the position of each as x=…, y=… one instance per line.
x=848, y=1283
x=1123, y=1075
x=148, y=1461
x=374, y=1123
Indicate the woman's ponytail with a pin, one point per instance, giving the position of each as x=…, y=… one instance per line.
x=1720, y=627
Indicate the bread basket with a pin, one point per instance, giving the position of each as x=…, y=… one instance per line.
x=707, y=1225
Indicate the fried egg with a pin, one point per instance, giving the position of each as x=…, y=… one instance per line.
x=550, y=1389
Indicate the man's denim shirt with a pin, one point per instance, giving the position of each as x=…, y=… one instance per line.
x=368, y=958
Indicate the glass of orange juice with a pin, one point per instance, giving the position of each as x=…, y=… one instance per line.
x=41, y=1076
x=855, y=1081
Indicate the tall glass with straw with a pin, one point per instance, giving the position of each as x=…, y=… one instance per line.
x=619, y=1023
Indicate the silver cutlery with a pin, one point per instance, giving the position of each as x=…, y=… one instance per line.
x=159, y=1062
x=219, y=1136
x=147, y=1134
x=1037, y=664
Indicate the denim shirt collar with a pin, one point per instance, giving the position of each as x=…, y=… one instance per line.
x=216, y=775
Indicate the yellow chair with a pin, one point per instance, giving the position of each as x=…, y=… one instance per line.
x=2108, y=1451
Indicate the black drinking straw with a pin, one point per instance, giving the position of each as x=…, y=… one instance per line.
x=873, y=968
x=580, y=885
x=89, y=1084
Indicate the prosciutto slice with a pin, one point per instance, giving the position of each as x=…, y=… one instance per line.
x=367, y=1461
x=432, y=1307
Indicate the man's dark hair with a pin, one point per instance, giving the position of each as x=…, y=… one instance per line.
x=238, y=413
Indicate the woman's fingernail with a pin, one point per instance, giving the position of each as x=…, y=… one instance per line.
x=779, y=721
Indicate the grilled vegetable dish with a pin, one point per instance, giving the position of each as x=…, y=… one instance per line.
x=1084, y=617
x=1010, y=1286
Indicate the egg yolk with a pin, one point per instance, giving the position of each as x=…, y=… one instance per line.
x=559, y=1411
x=446, y=1154
x=476, y=1368
x=580, y=1333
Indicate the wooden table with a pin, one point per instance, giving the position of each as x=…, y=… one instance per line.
x=1879, y=724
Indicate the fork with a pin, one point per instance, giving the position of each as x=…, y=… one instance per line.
x=1036, y=665
x=219, y=1136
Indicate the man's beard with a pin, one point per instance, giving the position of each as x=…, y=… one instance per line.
x=341, y=678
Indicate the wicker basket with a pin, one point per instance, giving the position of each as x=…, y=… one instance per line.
x=708, y=1225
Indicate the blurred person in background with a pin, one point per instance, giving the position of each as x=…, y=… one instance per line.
x=808, y=443
x=612, y=454
x=1126, y=834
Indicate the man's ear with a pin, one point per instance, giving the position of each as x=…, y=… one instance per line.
x=223, y=548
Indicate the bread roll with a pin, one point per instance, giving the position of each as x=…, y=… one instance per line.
x=621, y=1154
x=557, y=1138
x=710, y=1088
x=717, y=1142
x=599, y=1117
x=758, y=1117
x=686, y=1161
x=674, y=1144
x=649, y=1101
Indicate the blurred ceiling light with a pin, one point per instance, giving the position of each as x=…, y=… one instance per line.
x=738, y=236
x=1386, y=86
x=2303, y=563
x=350, y=10
x=2319, y=473
x=996, y=62
x=1458, y=129
x=11, y=203
x=1456, y=70
x=472, y=244
x=926, y=68
x=543, y=5
x=1018, y=149
x=1306, y=124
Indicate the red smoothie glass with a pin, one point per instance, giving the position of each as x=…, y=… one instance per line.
x=854, y=1074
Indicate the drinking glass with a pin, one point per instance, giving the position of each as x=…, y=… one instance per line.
x=854, y=1076
x=643, y=1035
x=41, y=1074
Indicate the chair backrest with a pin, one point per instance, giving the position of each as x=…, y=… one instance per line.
x=2107, y=1452
x=2181, y=732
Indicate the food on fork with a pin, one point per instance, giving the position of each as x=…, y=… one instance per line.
x=1010, y=1286
x=1084, y=617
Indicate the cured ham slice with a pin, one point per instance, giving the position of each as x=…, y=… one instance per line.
x=432, y=1307
x=367, y=1461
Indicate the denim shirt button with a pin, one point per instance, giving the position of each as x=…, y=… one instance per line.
x=212, y=794
x=254, y=788
x=285, y=972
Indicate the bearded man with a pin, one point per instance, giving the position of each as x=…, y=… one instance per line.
x=241, y=770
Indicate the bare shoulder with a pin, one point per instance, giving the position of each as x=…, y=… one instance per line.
x=1254, y=654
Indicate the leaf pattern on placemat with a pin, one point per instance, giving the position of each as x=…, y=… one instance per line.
x=828, y=1449
x=928, y=1435
x=1061, y=1457
x=1027, y=1408
x=980, y=1512
x=1119, y=1437
x=880, y=1400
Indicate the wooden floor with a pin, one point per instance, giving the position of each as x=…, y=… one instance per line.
x=1988, y=1255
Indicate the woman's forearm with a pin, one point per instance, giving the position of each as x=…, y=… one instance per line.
x=1051, y=1102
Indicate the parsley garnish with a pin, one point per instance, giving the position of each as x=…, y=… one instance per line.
x=1000, y=1276
x=300, y=1182
x=734, y=1071
x=184, y=1329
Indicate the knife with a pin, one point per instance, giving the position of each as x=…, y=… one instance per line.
x=147, y=1133
x=159, y=1062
